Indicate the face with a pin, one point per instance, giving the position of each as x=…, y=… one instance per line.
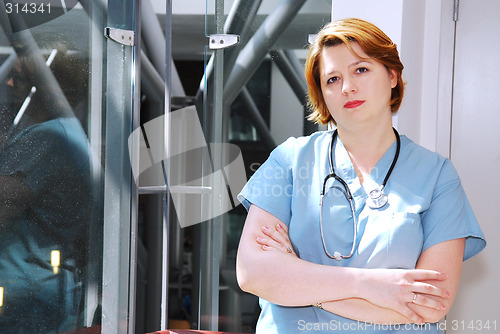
x=357, y=91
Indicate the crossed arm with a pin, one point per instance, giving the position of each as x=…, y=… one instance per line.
x=384, y=296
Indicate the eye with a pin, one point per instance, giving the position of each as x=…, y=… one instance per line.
x=361, y=70
x=332, y=80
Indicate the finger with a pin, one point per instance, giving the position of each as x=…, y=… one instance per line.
x=284, y=233
x=412, y=315
x=282, y=241
x=264, y=241
x=425, y=275
x=282, y=227
x=275, y=235
x=423, y=300
x=429, y=289
x=270, y=243
x=270, y=249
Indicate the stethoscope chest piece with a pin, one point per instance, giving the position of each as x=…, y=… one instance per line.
x=376, y=199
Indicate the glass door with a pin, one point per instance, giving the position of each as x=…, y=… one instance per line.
x=254, y=98
x=68, y=100
x=251, y=97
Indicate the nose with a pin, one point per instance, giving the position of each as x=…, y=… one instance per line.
x=348, y=86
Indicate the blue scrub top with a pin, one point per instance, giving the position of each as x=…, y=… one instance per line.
x=53, y=157
x=427, y=205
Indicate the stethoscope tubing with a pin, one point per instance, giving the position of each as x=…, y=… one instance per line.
x=337, y=255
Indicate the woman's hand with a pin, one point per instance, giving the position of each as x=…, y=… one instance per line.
x=393, y=289
x=276, y=239
x=398, y=289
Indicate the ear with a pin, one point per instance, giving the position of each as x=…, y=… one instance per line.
x=393, y=75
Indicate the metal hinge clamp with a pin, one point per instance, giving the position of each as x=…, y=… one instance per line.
x=222, y=41
x=124, y=37
x=311, y=38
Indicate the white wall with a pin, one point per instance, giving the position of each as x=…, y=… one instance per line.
x=475, y=153
x=375, y=12
x=411, y=53
x=414, y=26
x=427, y=50
x=431, y=53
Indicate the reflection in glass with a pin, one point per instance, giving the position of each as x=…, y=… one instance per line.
x=46, y=193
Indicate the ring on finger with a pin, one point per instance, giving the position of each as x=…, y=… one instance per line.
x=414, y=298
x=288, y=250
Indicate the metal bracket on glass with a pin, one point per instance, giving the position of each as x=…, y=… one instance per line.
x=222, y=41
x=311, y=38
x=124, y=37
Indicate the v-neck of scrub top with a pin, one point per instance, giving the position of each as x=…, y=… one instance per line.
x=344, y=168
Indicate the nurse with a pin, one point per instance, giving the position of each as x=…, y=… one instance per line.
x=354, y=264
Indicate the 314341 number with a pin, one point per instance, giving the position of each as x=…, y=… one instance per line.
x=27, y=8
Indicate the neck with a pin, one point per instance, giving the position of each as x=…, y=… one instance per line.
x=366, y=146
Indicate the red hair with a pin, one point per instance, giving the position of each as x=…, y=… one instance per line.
x=373, y=41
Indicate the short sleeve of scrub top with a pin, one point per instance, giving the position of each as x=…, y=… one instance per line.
x=450, y=215
x=270, y=188
x=431, y=183
x=427, y=205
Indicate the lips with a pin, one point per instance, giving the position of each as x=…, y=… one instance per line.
x=353, y=104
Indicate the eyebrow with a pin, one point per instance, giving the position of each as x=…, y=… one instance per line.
x=356, y=63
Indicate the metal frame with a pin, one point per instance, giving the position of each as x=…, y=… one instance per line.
x=119, y=249
x=168, y=213
x=207, y=259
x=258, y=46
x=120, y=193
x=239, y=22
x=93, y=297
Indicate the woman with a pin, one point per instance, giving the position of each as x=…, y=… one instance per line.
x=322, y=263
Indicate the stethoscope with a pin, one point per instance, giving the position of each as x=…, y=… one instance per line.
x=376, y=197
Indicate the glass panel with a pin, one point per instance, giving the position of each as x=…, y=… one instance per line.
x=185, y=172
x=264, y=84
x=153, y=203
x=247, y=95
x=48, y=218
x=61, y=192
